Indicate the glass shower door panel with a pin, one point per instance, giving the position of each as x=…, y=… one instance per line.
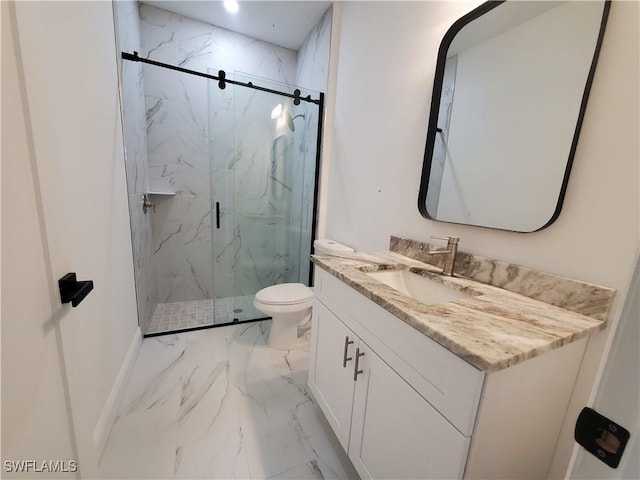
x=260, y=202
x=263, y=157
x=224, y=231
x=275, y=153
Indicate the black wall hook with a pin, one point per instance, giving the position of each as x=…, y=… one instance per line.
x=72, y=290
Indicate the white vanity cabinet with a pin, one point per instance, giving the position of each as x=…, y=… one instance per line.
x=403, y=406
x=395, y=433
x=332, y=383
x=387, y=428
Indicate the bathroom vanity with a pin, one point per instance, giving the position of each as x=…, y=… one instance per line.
x=471, y=385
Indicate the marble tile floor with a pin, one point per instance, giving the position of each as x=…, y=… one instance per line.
x=169, y=317
x=220, y=403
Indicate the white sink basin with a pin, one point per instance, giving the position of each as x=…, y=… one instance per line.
x=416, y=286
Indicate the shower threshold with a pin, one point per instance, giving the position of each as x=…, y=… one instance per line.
x=198, y=314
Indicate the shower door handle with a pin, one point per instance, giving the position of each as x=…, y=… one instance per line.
x=217, y=215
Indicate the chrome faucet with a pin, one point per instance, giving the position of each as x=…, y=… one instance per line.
x=449, y=254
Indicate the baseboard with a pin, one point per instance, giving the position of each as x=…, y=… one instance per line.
x=110, y=410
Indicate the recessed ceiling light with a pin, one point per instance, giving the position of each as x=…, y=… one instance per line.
x=231, y=6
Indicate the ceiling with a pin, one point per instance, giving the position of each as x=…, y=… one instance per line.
x=284, y=23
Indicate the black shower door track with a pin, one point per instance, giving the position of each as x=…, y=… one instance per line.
x=222, y=79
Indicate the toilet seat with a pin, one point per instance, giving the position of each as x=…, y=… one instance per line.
x=284, y=294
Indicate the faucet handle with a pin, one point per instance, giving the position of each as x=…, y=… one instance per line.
x=451, y=240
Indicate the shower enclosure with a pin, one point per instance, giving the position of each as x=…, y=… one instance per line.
x=230, y=195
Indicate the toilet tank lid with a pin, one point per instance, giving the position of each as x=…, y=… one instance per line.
x=285, y=294
x=328, y=246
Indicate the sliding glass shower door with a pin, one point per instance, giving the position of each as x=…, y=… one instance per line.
x=263, y=173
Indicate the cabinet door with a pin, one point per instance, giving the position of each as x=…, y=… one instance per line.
x=329, y=379
x=395, y=433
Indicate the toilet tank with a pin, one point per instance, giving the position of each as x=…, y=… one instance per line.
x=325, y=246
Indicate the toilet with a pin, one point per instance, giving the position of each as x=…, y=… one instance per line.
x=289, y=304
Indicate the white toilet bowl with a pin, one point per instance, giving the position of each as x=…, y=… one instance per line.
x=288, y=304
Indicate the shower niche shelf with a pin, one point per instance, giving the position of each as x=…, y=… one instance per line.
x=162, y=194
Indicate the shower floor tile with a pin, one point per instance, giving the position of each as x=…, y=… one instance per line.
x=198, y=313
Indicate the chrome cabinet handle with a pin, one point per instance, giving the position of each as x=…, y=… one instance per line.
x=345, y=359
x=356, y=372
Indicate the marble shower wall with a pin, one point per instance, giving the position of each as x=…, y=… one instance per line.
x=312, y=72
x=136, y=160
x=179, y=143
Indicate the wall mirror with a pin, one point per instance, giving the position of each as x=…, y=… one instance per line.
x=510, y=92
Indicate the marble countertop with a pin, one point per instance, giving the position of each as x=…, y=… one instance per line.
x=492, y=329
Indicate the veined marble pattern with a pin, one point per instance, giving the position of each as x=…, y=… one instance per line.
x=312, y=72
x=303, y=170
x=208, y=145
x=179, y=162
x=313, y=56
x=182, y=248
x=191, y=144
x=219, y=403
x=263, y=177
x=136, y=160
x=178, y=144
x=172, y=38
x=492, y=329
x=581, y=297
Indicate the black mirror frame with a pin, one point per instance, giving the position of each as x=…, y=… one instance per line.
x=435, y=107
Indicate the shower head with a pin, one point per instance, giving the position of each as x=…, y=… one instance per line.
x=289, y=119
x=282, y=113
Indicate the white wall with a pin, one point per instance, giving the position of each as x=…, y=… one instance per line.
x=386, y=60
x=618, y=394
x=35, y=417
x=387, y=54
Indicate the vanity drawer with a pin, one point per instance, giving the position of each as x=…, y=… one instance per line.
x=449, y=383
